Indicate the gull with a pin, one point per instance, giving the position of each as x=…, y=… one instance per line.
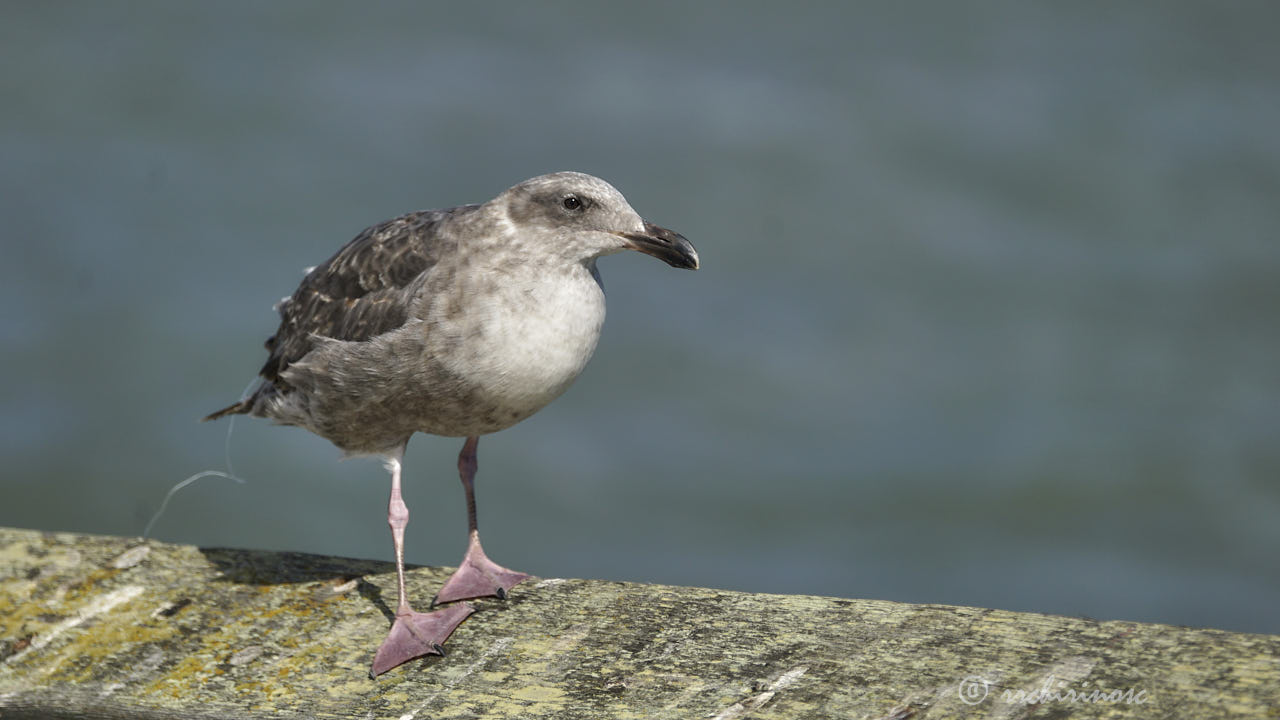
x=458, y=322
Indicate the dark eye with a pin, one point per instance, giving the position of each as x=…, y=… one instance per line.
x=572, y=202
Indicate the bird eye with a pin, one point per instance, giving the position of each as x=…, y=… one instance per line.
x=571, y=202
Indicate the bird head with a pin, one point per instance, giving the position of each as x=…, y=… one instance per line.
x=586, y=217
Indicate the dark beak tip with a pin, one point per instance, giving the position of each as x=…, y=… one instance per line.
x=680, y=254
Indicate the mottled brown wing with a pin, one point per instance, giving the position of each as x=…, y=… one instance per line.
x=358, y=293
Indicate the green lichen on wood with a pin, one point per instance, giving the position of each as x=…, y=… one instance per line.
x=116, y=627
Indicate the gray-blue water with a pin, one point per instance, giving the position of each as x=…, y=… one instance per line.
x=987, y=313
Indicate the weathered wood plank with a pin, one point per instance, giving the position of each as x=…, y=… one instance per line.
x=120, y=628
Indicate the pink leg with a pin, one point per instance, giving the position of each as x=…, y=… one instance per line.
x=477, y=576
x=413, y=634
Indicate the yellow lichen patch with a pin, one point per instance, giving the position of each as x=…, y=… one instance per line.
x=344, y=689
x=112, y=637
x=538, y=693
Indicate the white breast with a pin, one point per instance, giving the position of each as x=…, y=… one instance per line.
x=527, y=338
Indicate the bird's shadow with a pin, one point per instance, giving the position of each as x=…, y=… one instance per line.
x=265, y=567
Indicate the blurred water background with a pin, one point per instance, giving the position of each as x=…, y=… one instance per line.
x=987, y=313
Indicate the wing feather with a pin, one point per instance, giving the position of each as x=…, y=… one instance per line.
x=361, y=292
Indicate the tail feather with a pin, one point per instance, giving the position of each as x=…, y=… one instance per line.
x=239, y=407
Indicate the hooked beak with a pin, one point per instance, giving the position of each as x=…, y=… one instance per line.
x=668, y=246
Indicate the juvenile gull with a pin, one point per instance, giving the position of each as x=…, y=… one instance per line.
x=457, y=322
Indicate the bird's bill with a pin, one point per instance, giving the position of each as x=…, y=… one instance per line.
x=668, y=246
